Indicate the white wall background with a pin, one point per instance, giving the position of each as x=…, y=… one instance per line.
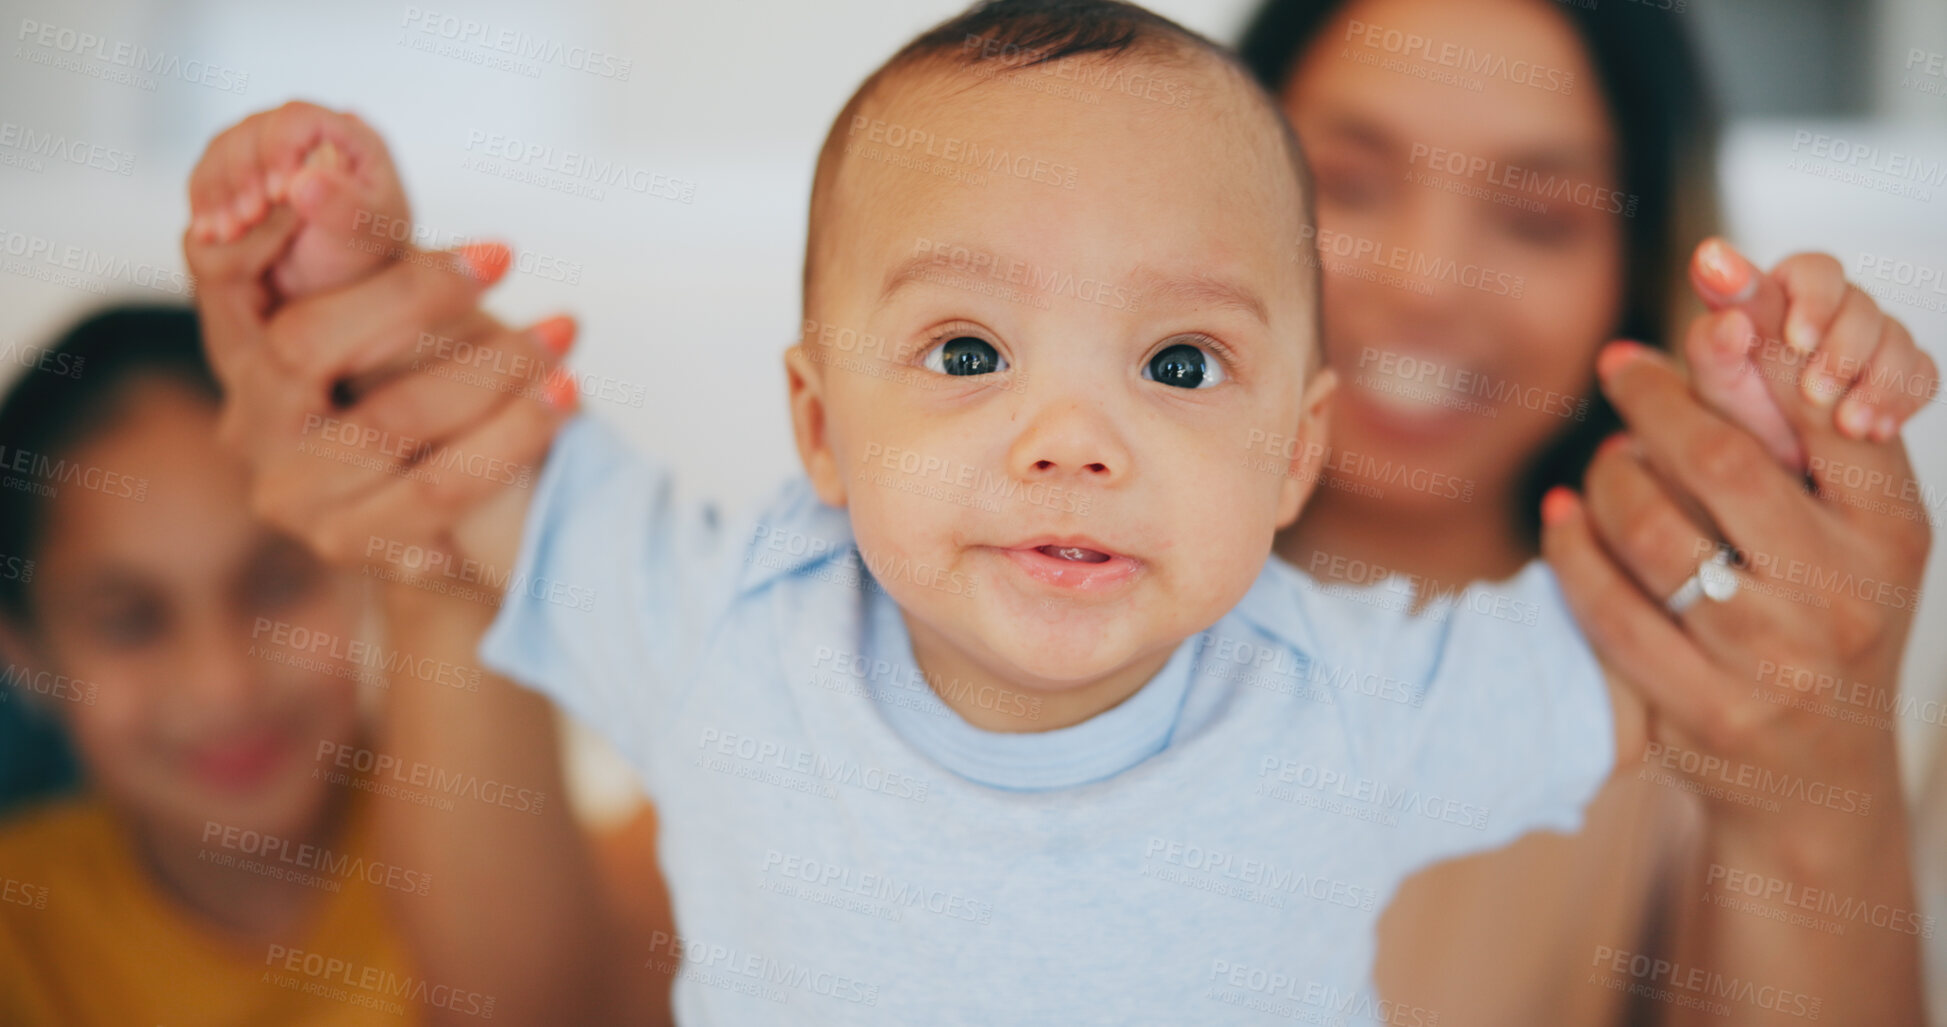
x=696, y=301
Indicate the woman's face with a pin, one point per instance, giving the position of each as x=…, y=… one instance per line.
x=1470, y=231
x=162, y=612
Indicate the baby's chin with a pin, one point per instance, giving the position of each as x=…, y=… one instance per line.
x=1054, y=673
x=1053, y=655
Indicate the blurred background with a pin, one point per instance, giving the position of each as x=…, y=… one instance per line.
x=692, y=298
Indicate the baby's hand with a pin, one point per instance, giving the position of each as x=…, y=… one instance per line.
x=334, y=173
x=1805, y=327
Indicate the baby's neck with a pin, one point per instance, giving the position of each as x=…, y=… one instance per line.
x=993, y=702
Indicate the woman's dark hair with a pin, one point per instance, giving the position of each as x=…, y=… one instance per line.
x=1654, y=90
x=72, y=389
x=69, y=390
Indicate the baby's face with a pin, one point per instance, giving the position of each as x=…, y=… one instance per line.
x=1049, y=340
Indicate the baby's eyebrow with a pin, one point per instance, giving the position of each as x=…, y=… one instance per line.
x=916, y=268
x=1149, y=286
x=1197, y=289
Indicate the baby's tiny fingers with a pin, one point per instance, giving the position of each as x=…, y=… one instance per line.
x=1815, y=286
x=1898, y=381
x=287, y=137
x=1848, y=343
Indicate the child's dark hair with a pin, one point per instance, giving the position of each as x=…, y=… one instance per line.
x=77, y=387
x=1013, y=35
x=1656, y=96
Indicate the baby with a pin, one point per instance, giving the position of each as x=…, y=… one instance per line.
x=1002, y=713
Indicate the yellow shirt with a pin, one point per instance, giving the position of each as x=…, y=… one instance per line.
x=87, y=939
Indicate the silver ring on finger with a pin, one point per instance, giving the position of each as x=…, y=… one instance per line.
x=1715, y=580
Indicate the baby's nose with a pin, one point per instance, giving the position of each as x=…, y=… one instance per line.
x=1073, y=439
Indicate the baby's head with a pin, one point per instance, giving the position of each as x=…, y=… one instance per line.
x=1057, y=286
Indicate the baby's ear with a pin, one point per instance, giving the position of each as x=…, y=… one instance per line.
x=807, y=386
x=1311, y=445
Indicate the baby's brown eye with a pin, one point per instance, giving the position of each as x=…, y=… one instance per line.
x=965, y=355
x=1183, y=366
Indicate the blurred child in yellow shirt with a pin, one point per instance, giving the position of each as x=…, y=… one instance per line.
x=217, y=867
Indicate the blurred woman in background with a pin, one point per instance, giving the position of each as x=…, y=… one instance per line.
x=1502, y=187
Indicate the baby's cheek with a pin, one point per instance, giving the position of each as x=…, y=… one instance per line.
x=881, y=521
x=1226, y=516
x=1238, y=485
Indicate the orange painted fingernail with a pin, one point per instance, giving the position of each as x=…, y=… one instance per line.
x=1557, y=505
x=556, y=334
x=1619, y=440
x=560, y=391
x=1615, y=355
x=1730, y=275
x=485, y=261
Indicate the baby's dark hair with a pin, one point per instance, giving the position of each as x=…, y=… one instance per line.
x=75, y=388
x=1014, y=35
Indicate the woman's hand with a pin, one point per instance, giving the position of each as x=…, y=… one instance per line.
x=1775, y=704
x=1827, y=585
x=1829, y=577
x=434, y=435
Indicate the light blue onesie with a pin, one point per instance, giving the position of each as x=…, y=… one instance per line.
x=842, y=848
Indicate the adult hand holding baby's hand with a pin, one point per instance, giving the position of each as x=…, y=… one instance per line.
x=459, y=409
x=1825, y=588
x=1828, y=580
x=1770, y=668
x=450, y=408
